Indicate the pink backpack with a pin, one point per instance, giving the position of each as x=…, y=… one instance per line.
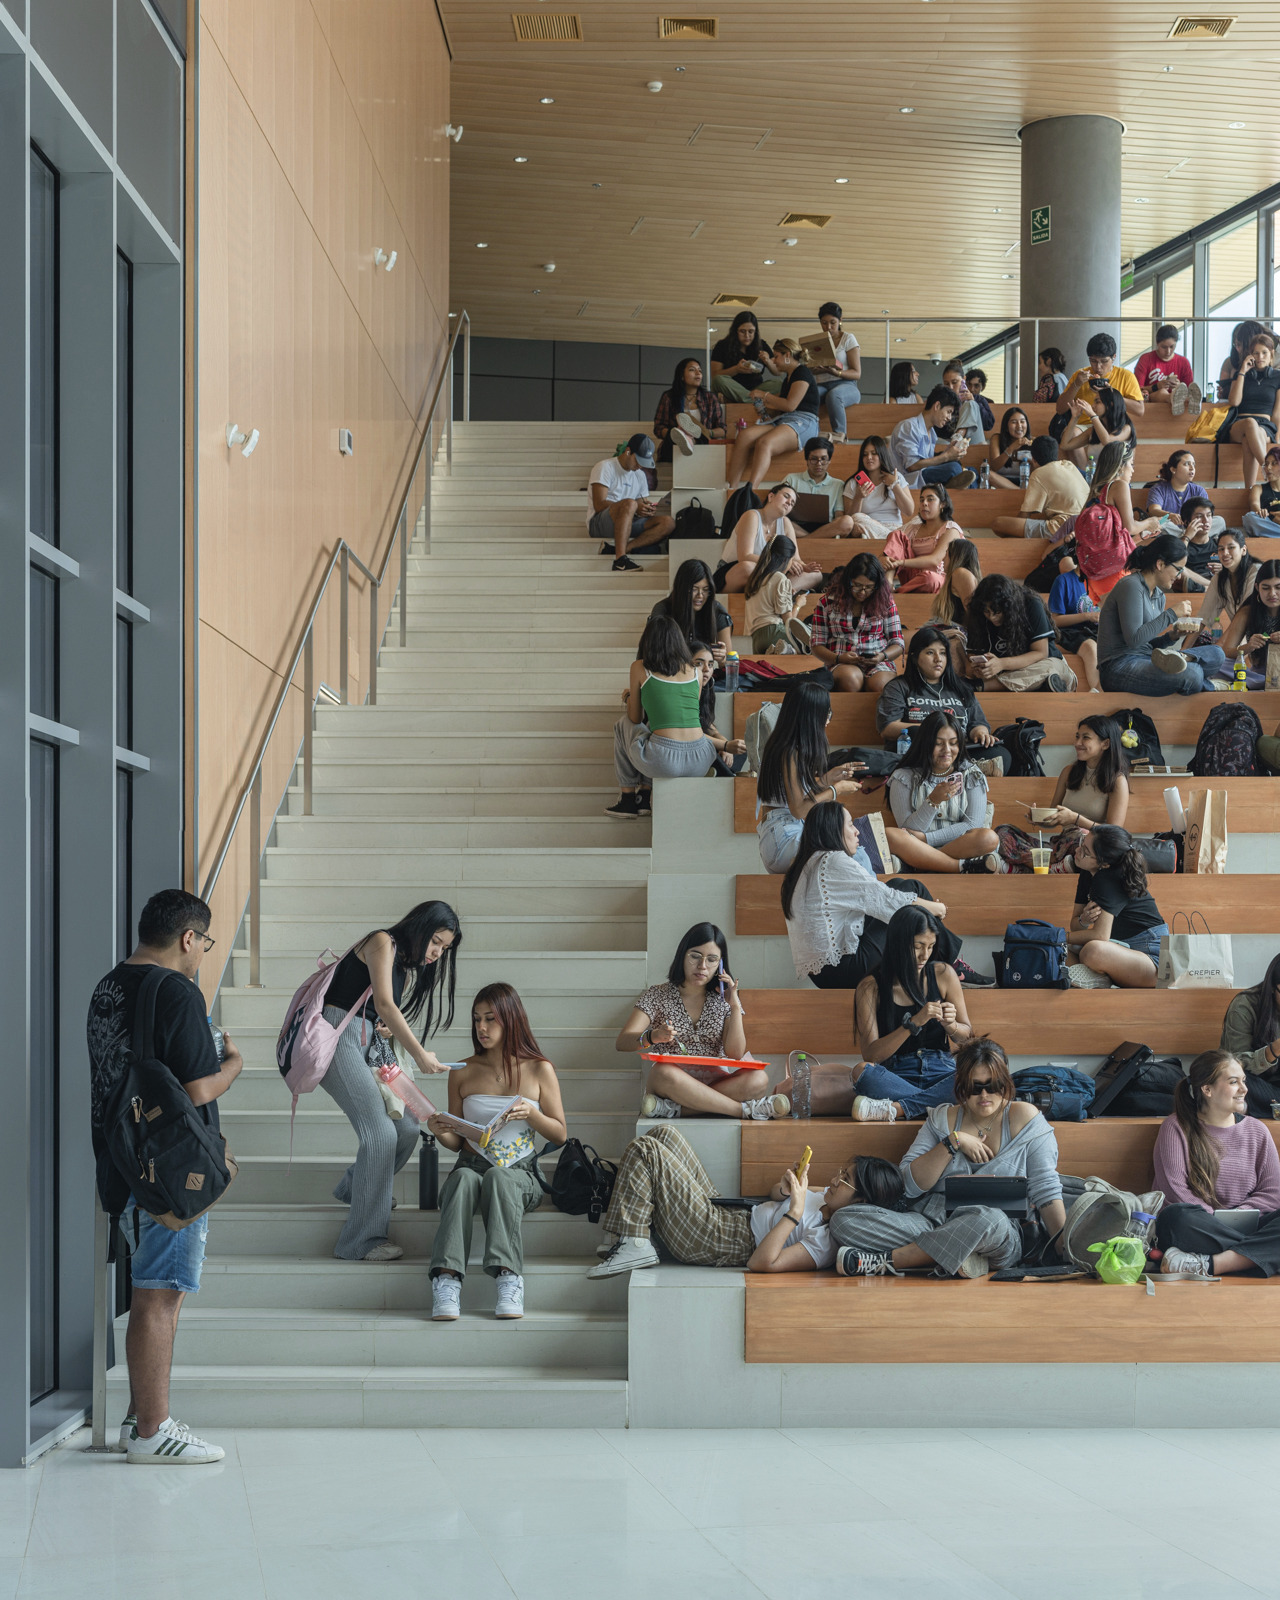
x=307, y=1042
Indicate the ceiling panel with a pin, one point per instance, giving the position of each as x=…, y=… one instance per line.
x=660, y=201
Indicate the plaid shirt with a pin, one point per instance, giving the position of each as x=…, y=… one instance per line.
x=709, y=409
x=851, y=636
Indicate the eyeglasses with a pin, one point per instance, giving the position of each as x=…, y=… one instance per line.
x=208, y=942
x=979, y=1086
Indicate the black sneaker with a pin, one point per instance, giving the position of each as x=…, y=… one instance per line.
x=628, y=806
x=971, y=979
x=854, y=1263
x=644, y=798
x=626, y=564
x=606, y=549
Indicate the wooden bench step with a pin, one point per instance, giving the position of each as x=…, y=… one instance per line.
x=913, y=609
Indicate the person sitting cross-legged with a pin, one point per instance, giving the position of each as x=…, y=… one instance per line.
x=1055, y=491
x=1010, y=642
x=817, y=478
x=879, y=503
x=939, y=802
x=620, y=511
x=855, y=627
x=1117, y=926
x=986, y=1132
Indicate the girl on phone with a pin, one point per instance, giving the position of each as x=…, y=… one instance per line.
x=1010, y=448
x=1093, y=789
x=1256, y=624
x=939, y=802
x=855, y=627
x=928, y=682
x=693, y=604
x=1254, y=398
x=697, y=1012
x=876, y=497
x=913, y=554
x=507, y=1078
x=1009, y=640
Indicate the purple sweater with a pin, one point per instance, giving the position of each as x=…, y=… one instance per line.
x=1249, y=1174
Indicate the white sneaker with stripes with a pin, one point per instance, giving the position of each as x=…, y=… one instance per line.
x=172, y=1445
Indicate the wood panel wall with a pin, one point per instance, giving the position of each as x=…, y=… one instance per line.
x=320, y=139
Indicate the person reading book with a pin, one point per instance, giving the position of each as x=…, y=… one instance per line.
x=510, y=1092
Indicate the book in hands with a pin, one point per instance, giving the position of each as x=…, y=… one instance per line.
x=479, y=1133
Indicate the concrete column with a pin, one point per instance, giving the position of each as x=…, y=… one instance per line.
x=1071, y=167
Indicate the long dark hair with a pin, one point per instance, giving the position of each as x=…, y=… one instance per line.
x=1235, y=581
x=1266, y=1024
x=919, y=757
x=947, y=605
x=1204, y=1154
x=798, y=740
x=878, y=443
x=948, y=683
x=692, y=623
x=898, y=964
x=700, y=933
x=1260, y=618
x=1115, y=849
x=900, y=379
x=1166, y=547
x=1242, y=337
x=663, y=647
x=778, y=556
x=1004, y=438
x=1053, y=358
x=823, y=832
x=518, y=1042
x=1113, y=763
x=752, y=351
x=411, y=936
x=707, y=693
x=678, y=386
x=839, y=597
x=998, y=591
x=878, y=1182
x=946, y=511
x=1167, y=467
x=1114, y=412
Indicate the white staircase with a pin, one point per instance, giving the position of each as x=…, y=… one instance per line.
x=481, y=778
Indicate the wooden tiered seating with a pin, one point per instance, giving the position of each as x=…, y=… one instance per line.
x=1147, y=462
x=819, y=1318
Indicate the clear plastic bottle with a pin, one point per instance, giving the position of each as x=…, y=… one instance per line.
x=218, y=1041
x=1140, y=1225
x=1024, y=472
x=904, y=742
x=984, y=475
x=731, y=664
x=801, y=1086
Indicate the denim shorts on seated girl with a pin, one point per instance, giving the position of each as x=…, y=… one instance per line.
x=161, y=1258
x=802, y=423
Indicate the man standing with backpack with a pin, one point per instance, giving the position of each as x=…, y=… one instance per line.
x=166, y=1261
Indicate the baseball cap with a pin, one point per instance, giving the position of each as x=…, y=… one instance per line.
x=641, y=447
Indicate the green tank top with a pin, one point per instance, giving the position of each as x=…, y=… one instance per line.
x=670, y=705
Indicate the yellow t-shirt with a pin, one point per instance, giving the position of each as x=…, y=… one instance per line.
x=1120, y=379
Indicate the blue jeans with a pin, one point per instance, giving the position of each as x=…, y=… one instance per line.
x=920, y=1080
x=1147, y=942
x=1257, y=526
x=779, y=835
x=162, y=1258
x=1133, y=672
x=843, y=392
x=942, y=473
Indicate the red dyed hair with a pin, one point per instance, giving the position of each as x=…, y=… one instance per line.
x=518, y=1042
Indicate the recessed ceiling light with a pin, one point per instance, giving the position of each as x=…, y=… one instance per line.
x=995, y=210
x=1006, y=274
x=771, y=263
x=900, y=338
x=790, y=242
x=519, y=160
x=906, y=110
x=679, y=69
x=1235, y=124
x=547, y=100
x=597, y=186
x=842, y=180
x=480, y=245
x=1141, y=200
x=1166, y=69
x=537, y=291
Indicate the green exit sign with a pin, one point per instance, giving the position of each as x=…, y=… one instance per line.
x=1040, y=229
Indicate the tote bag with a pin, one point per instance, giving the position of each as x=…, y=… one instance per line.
x=1191, y=960
x=1206, y=846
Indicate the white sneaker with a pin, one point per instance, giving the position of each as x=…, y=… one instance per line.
x=1195, y=399
x=446, y=1297
x=657, y=1105
x=1083, y=977
x=973, y=1266
x=1178, y=398
x=121, y=1445
x=768, y=1108
x=384, y=1252
x=1186, y=1263
x=682, y=442
x=607, y=1244
x=865, y=1109
x=628, y=1255
x=685, y=421
x=1169, y=660
x=510, y=1295
x=172, y=1445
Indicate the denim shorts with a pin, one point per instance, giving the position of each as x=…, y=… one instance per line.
x=163, y=1259
x=802, y=423
x=1147, y=942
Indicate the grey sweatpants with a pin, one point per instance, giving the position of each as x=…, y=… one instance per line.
x=385, y=1144
x=979, y=1229
x=639, y=756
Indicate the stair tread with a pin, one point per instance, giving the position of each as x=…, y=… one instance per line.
x=452, y=1377
x=338, y=1320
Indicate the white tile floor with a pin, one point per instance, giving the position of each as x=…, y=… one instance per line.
x=584, y=1515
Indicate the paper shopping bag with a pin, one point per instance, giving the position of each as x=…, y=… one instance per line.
x=1206, y=846
x=1273, y=667
x=1192, y=960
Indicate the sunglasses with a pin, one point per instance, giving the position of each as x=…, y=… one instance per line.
x=979, y=1086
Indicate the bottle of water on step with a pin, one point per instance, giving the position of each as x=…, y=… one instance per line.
x=1140, y=1225
x=731, y=664
x=984, y=475
x=801, y=1089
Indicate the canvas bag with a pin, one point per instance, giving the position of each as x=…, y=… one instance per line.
x=1192, y=960
x=1204, y=427
x=1206, y=846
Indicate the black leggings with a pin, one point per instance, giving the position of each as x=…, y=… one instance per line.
x=851, y=969
x=1190, y=1227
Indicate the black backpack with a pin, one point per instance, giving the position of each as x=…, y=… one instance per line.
x=175, y=1164
x=1149, y=1093
x=582, y=1183
x=694, y=521
x=1139, y=737
x=1022, y=739
x=1043, y=575
x=740, y=501
x=1228, y=743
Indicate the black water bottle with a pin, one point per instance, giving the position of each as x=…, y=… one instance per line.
x=429, y=1174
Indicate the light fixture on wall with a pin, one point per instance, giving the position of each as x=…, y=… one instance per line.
x=235, y=437
x=547, y=100
x=791, y=243
x=383, y=260
x=482, y=244
x=520, y=160
x=346, y=444
x=450, y=132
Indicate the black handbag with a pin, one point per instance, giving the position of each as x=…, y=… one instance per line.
x=582, y=1184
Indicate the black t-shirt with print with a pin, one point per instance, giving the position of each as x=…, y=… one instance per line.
x=1105, y=889
x=182, y=1041
x=1039, y=626
x=811, y=399
x=728, y=352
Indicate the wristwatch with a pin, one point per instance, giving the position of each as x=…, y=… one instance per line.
x=912, y=1026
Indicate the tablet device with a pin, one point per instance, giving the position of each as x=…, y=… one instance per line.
x=1243, y=1220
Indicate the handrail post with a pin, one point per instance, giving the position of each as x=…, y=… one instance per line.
x=308, y=719
x=101, y=1323
x=466, y=371
x=344, y=624
x=426, y=498
x=448, y=419
x=403, y=536
x=888, y=350
x=255, y=882
x=373, y=644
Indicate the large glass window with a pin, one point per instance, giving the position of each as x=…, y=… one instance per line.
x=124, y=423
x=43, y=323
x=43, y=645
x=1136, y=337
x=44, y=1069
x=1232, y=288
x=1178, y=296
x=124, y=683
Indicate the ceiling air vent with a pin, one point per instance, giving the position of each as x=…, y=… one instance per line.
x=735, y=300
x=1201, y=27
x=805, y=219
x=546, y=27
x=688, y=27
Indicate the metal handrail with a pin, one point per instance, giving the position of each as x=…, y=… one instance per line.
x=343, y=558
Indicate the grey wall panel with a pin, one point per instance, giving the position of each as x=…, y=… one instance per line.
x=658, y=361
x=512, y=358
x=598, y=363
x=510, y=399
x=149, y=114
x=578, y=401
x=73, y=38
x=649, y=395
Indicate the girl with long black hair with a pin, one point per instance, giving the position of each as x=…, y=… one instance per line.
x=1117, y=926
x=928, y=683
x=1092, y=790
x=1009, y=639
x=794, y=773
x=855, y=627
x=688, y=413
x=1138, y=652
x=772, y=612
x=659, y=734
x=739, y=360
x=693, y=606
x=1207, y=1161
x=730, y=753
x=1256, y=624
x=1251, y=1032
x=411, y=968
x=1010, y=448
x=1230, y=587
x=939, y=803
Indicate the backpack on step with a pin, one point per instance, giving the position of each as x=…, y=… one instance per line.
x=582, y=1184
x=738, y=504
x=1102, y=1212
x=1022, y=739
x=175, y=1164
x=760, y=724
x=1139, y=737
x=1034, y=957
x=694, y=521
x=1061, y=1093
x=306, y=1042
x=1228, y=743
